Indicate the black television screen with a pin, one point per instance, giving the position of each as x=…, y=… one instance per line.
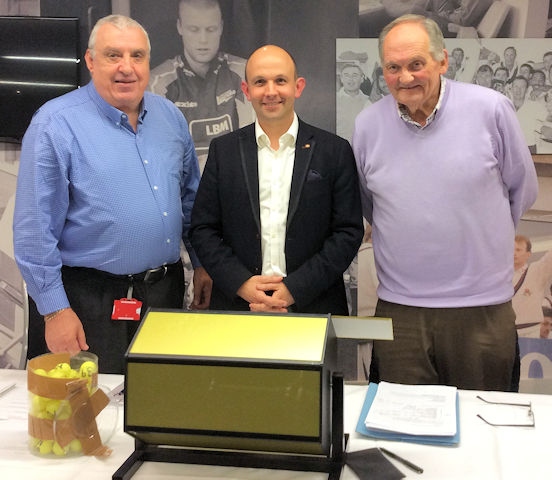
x=39, y=60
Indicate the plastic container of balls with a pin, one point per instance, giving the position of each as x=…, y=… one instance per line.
x=69, y=414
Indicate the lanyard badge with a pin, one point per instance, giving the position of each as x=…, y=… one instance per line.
x=127, y=308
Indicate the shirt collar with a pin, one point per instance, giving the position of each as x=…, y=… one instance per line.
x=288, y=138
x=403, y=112
x=117, y=116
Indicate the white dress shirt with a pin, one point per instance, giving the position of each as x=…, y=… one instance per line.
x=275, y=173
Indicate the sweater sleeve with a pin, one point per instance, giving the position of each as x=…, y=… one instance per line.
x=517, y=166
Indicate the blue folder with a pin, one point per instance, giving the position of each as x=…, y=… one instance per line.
x=445, y=440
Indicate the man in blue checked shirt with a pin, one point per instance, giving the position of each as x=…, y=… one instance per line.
x=107, y=179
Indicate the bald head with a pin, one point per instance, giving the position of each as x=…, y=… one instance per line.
x=268, y=50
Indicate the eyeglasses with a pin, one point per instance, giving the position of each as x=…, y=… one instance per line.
x=530, y=415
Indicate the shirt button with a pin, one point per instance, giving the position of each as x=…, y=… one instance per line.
x=168, y=240
x=155, y=187
x=165, y=214
x=146, y=162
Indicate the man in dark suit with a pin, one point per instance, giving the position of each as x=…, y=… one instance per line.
x=277, y=216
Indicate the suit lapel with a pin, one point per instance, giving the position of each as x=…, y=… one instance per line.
x=303, y=153
x=249, y=163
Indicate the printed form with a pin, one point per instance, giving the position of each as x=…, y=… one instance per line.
x=414, y=409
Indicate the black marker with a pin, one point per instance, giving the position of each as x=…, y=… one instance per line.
x=402, y=460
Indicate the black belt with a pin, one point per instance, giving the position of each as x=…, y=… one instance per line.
x=149, y=277
x=153, y=275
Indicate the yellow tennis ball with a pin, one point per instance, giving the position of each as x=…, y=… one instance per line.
x=56, y=373
x=64, y=367
x=87, y=369
x=38, y=404
x=34, y=442
x=51, y=407
x=61, y=370
x=58, y=450
x=35, y=405
x=45, y=447
x=75, y=446
x=63, y=411
x=41, y=371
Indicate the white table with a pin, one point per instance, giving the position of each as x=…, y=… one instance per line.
x=485, y=452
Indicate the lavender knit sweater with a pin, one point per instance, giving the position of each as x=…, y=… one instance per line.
x=444, y=200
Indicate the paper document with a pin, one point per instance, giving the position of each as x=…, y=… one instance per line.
x=413, y=409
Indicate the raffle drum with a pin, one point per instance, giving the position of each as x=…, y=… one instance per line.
x=231, y=388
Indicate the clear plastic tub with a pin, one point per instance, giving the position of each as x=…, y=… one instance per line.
x=69, y=414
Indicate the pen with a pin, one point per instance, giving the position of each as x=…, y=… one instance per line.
x=7, y=389
x=402, y=460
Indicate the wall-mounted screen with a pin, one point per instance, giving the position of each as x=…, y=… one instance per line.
x=39, y=60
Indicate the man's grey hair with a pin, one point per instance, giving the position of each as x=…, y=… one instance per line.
x=436, y=39
x=121, y=22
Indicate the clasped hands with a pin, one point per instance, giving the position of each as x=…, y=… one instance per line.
x=266, y=293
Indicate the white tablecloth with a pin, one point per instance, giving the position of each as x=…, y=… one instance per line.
x=485, y=452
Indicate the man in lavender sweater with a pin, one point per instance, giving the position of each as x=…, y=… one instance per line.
x=445, y=176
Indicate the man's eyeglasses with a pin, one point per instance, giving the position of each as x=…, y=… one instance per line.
x=530, y=415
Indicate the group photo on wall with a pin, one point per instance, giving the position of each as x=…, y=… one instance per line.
x=518, y=68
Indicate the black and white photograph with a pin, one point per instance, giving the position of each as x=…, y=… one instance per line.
x=461, y=18
x=202, y=79
x=518, y=68
x=307, y=29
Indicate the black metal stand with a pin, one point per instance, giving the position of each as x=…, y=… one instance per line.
x=333, y=464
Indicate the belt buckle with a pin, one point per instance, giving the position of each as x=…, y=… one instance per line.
x=152, y=272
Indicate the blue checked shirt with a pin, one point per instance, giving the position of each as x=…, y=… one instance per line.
x=91, y=192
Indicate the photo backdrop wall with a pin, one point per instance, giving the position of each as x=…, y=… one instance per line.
x=308, y=29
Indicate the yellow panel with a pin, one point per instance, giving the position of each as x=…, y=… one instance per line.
x=230, y=399
x=271, y=337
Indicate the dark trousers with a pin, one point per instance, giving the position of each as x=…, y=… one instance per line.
x=471, y=348
x=91, y=294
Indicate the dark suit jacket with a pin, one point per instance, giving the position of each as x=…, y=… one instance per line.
x=324, y=226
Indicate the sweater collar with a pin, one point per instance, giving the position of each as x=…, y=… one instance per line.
x=403, y=112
